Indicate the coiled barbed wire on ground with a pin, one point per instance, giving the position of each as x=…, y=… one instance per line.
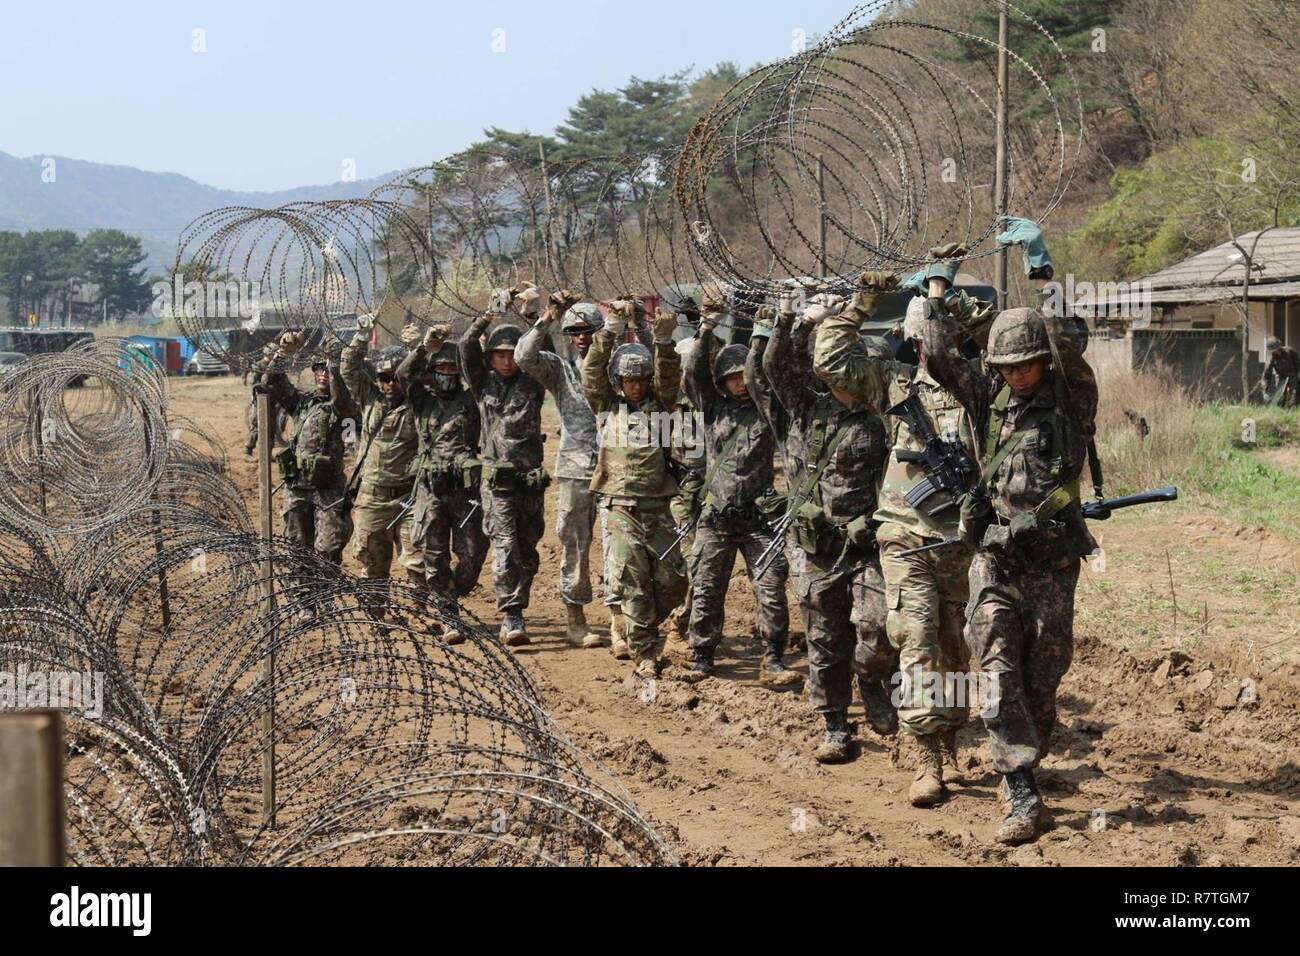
x=389, y=746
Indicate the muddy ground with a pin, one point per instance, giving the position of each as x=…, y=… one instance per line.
x=1178, y=741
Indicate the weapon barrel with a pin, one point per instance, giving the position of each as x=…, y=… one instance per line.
x=1097, y=509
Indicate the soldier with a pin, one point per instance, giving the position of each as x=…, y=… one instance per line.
x=839, y=444
x=926, y=592
x=1282, y=374
x=315, y=512
x=575, y=512
x=630, y=390
x=1040, y=405
x=737, y=488
x=446, y=515
x=268, y=374
x=687, y=461
x=389, y=444
x=514, y=481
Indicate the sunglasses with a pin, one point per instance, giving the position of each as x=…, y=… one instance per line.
x=387, y=378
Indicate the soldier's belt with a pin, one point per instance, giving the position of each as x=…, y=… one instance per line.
x=387, y=490
x=643, y=505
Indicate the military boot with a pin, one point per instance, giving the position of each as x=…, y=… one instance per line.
x=836, y=742
x=882, y=716
x=772, y=673
x=1026, y=809
x=648, y=668
x=578, y=631
x=952, y=772
x=927, y=786
x=702, y=667
x=617, y=640
x=451, y=634
x=513, y=631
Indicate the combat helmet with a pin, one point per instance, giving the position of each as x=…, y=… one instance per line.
x=729, y=361
x=1018, y=335
x=630, y=361
x=583, y=317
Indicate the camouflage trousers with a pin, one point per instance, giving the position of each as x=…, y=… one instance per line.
x=874, y=658
x=646, y=588
x=825, y=592
x=683, y=512
x=712, y=560
x=1020, y=629
x=925, y=596
x=444, y=523
x=575, y=521
x=514, y=520
x=316, y=518
x=279, y=423
x=378, y=537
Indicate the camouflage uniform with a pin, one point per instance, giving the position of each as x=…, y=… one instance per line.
x=925, y=594
x=446, y=518
x=688, y=462
x=836, y=536
x=390, y=441
x=739, y=448
x=1283, y=369
x=272, y=376
x=635, y=487
x=315, y=513
x=513, y=477
x=1020, y=619
x=575, y=512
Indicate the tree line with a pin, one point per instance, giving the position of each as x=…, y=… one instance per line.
x=42, y=273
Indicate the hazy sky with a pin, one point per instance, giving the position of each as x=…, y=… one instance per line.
x=287, y=91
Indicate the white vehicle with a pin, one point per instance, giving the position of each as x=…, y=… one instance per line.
x=203, y=362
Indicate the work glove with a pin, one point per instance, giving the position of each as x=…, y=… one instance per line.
x=764, y=319
x=365, y=323
x=822, y=307
x=1027, y=234
x=411, y=335
x=620, y=312
x=499, y=302
x=665, y=325
x=291, y=343
x=946, y=267
x=561, y=302
x=871, y=286
x=435, y=338
x=527, y=298
x=785, y=301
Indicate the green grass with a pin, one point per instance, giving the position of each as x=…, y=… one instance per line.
x=1231, y=470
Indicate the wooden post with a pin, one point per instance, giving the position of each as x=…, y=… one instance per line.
x=31, y=789
x=264, y=447
x=1000, y=185
x=824, y=268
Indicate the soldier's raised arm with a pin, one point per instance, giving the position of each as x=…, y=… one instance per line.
x=546, y=367
x=473, y=361
x=841, y=360
x=780, y=361
x=595, y=367
x=756, y=379
x=668, y=364
x=352, y=364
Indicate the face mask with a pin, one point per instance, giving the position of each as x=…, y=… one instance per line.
x=447, y=384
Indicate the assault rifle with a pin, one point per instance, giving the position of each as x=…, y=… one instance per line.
x=948, y=466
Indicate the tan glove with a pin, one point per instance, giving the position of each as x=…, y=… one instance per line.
x=435, y=338
x=411, y=335
x=291, y=343
x=561, y=302
x=499, y=302
x=822, y=307
x=871, y=287
x=664, y=326
x=365, y=323
x=527, y=299
x=620, y=312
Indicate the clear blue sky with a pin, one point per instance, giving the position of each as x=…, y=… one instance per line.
x=288, y=90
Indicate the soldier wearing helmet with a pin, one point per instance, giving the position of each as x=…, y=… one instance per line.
x=389, y=443
x=633, y=391
x=575, y=511
x=445, y=517
x=1037, y=405
x=1282, y=375
x=267, y=372
x=312, y=466
x=738, y=482
x=514, y=479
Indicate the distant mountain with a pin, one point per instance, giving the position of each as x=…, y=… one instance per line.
x=153, y=206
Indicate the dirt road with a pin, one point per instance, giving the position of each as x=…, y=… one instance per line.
x=1178, y=741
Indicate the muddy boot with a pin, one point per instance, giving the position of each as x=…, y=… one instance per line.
x=1026, y=809
x=617, y=640
x=451, y=635
x=578, y=631
x=927, y=786
x=882, y=717
x=836, y=742
x=701, y=667
x=648, y=668
x=772, y=673
x=513, y=631
x=952, y=772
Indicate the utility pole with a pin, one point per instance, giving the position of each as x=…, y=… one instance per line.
x=1000, y=186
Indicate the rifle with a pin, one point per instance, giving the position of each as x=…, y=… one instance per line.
x=1093, y=511
x=682, y=535
x=948, y=466
x=477, y=506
